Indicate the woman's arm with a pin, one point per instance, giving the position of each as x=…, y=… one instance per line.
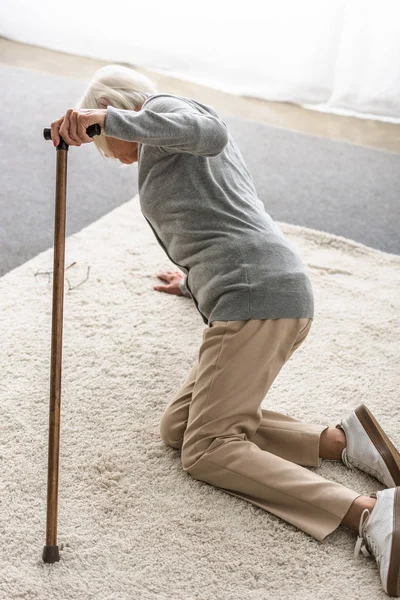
x=171, y=124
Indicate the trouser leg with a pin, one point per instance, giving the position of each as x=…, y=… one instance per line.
x=278, y=433
x=238, y=361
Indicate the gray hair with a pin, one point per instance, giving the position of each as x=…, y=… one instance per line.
x=119, y=86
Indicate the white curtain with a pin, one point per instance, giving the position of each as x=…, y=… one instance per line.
x=330, y=55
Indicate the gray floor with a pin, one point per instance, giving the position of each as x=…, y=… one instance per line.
x=332, y=186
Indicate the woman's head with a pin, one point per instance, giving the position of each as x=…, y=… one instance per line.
x=120, y=87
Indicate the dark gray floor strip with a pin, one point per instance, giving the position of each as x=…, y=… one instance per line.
x=332, y=186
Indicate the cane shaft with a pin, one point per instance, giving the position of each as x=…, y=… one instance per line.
x=50, y=551
x=56, y=347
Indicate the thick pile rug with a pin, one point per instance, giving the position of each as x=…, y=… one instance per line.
x=132, y=524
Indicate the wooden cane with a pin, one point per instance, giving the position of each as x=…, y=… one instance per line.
x=51, y=553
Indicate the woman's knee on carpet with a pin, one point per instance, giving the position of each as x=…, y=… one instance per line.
x=171, y=432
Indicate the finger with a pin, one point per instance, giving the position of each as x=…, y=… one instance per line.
x=171, y=273
x=55, y=129
x=164, y=276
x=73, y=130
x=73, y=127
x=161, y=288
x=82, y=125
x=65, y=129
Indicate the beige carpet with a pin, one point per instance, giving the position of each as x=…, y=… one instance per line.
x=132, y=524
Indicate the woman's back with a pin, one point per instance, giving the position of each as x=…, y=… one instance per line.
x=200, y=200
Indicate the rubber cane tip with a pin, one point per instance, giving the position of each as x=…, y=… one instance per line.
x=51, y=554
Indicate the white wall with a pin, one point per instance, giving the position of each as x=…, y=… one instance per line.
x=331, y=55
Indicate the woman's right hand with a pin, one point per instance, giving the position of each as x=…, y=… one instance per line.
x=173, y=278
x=73, y=124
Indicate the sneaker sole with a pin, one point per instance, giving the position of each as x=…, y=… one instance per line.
x=381, y=442
x=393, y=577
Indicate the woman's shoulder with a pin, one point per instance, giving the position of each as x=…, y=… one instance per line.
x=164, y=102
x=161, y=102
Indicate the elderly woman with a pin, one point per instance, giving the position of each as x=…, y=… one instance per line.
x=250, y=287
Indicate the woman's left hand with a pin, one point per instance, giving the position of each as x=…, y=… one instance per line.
x=72, y=126
x=173, y=279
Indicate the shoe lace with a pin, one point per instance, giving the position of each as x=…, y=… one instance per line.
x=357, y=464
x=344, y=452
x=345, y=459
x=365, y=543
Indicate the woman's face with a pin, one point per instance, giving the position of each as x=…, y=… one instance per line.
x=126, y=152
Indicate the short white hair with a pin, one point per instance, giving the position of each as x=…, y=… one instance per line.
x=119, y=86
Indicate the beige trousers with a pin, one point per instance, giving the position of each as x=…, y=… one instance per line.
x=229, y=441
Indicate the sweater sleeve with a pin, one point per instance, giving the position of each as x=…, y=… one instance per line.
x=183, y=288
x=174, y=126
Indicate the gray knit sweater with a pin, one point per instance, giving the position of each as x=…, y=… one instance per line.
x=198, y=197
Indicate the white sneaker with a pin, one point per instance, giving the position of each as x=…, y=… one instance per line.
x=368, y=447
x=379, y=535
